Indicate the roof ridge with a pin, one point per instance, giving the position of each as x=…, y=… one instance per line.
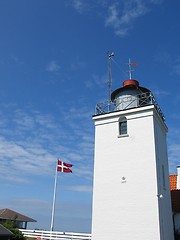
x=3, y=210
x=10, y=214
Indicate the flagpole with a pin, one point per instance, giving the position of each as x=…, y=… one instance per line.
x=54, y=201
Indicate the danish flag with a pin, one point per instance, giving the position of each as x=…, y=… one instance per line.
x=64, y=167
x=134, y=64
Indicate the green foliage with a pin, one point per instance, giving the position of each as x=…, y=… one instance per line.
x=11, y=225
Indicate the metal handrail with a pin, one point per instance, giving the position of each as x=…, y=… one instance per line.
x=55, y=235
x=143, y=99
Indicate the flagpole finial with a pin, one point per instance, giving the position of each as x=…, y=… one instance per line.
x=130, y=65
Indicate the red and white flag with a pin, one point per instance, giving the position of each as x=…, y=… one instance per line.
x=134, y=64
x=64, y=167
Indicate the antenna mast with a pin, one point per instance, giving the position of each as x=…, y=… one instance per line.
x=110, y=55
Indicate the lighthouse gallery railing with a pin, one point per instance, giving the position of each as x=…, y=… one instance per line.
x=142, y=99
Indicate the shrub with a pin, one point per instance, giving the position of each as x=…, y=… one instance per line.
x=17, y=234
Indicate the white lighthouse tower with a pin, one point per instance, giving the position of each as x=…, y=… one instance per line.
x=131, y=196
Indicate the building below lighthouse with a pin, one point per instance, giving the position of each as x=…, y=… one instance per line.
x=131, y=195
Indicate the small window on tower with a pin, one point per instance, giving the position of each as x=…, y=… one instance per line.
x=122, y=126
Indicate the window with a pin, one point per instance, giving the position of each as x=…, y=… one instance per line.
x=123, y=126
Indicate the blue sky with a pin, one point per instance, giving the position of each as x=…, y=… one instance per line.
x=53, y=71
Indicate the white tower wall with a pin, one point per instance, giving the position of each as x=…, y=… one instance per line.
x=129, y=198
x=178, y=177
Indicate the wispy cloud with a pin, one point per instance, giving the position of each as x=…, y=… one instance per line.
x=173, y=63
x=96, y=80
x=53, y=66
x=32, y=141
x=162, y=57
x=77, y=65
x=174, y=153
x=80, y=188
x=119, y=15
x=173, y=147
x=156, y=1
x=80, y=6
x=24, y=159
x=159, y=93
x=121, y=20
x=17, y=60
x=176, y=66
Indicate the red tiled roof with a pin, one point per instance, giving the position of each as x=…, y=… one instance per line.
x=173, y=181
x=8, y=214
x=175, y=199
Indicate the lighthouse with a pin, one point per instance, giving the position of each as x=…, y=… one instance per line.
x=131, y=196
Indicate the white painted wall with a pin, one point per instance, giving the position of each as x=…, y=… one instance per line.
x=165, y=208
x=130, y=209
x=178, y=177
